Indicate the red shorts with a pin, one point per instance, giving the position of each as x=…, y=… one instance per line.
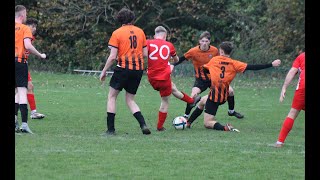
x=29, y=77
x=298, y=101
x=164, y=86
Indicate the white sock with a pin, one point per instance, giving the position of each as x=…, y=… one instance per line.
x=24, y=124
x=231, y=111
x=186, y=116
x=33, y=111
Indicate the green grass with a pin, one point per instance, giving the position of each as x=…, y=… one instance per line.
x=67, y=143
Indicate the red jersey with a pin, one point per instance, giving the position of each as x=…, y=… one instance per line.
x=159, y=53
x=129, y=40
x=299, y=63
x=199, y=58
x=222, y=71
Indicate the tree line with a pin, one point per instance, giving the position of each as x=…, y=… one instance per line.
x=75, y=34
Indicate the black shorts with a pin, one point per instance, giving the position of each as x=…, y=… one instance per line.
x=211, y=107
x=127, y=79
x=21, y=74
x=202, y=84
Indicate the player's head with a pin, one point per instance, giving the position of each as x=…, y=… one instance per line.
x=226, y=48
x=125, y=16
x=160, y=33
x=204, y=41
x=32, y=23
x=21, y=13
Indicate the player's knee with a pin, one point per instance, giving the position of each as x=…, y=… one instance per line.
x=231, y=93
x=202, y=102
x=30, y=87
x=207, y=125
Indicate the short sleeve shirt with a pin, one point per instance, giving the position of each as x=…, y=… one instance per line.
x=129, y=40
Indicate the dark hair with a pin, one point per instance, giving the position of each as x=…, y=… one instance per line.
x=32, y=21
x=205, y=34
x=227, y=47
x=125, y=16
x=18, y=9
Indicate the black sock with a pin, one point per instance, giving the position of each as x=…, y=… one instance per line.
x=110, y=121
x=231, y=102
x=195, y=114
x=188, y=109
x=16, y=109
x=218, y=126
x=24, y=112
x=139, y=118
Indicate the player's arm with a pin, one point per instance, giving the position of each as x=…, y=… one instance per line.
x=180, y=60
x=29, y=47
x=145, y=51
x=256, y=67
x=145, y=54
x=291, y=74
x=175, y=60
x=112, y=57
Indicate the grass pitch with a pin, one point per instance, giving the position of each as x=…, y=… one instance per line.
x=67, y=143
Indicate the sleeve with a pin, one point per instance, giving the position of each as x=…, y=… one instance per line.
x=189, y=54
x=172, y=50
x=258, y=66
x=27, y=33
x=144, y=42
x=239, y=66
x=181, y=59
x=207, y=66
x=113, y=42
x=297, y=62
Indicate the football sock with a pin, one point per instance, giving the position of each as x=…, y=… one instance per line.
x=195, y=114
x=16, y=109
x=188, y=110
x=218, y=126
x=139, y=118
x=286, y=128
x=31, y=101
x=230, y=100
x=24, y=112
x=110, y=121
x=187, y=98
x=161, y=119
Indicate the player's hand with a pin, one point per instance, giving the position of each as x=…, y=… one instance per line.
x=282, y=95
x=43, y=56
x=103, y=76
x=171, y=67
x=276, y=63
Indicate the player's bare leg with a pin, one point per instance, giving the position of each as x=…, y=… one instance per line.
x=211, y=123
x=134, y=108
x=198, y=111
x=230, y=99
x=286, y=127
x=32, y=103
x=194, y=93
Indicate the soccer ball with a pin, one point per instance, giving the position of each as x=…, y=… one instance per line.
x=179, y=122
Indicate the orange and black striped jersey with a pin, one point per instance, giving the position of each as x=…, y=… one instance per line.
x=129, y=40
x=199, y=58
x=222, y=71
x=21, y=32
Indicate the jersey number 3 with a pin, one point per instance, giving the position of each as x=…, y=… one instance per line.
x=223, y=69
